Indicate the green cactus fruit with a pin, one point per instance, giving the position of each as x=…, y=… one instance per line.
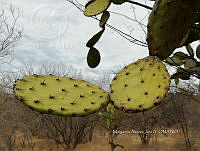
x=60, y=95
x=93, y=58
x=95, y=38
x=104, y=18
x=95, y=7
x=168, y=24
x=118, y=2
x=140, y=85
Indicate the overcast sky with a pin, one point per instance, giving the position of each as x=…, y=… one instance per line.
x=55, y=31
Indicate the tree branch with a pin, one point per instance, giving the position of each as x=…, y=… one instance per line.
x=139, y=4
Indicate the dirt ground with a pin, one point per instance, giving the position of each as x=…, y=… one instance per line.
x=131, y=142
x=17, y=120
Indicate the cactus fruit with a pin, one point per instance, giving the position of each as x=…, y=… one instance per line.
x=168, y=24
x=140, y=85
x=95, y=7
x=60, y=95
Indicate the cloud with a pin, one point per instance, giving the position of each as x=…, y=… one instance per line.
x=38, y=46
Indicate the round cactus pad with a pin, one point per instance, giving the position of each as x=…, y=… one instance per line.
x=140, y=85
x=95, y=7
x=60, y=95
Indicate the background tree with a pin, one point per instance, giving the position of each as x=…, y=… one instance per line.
x=10, y=30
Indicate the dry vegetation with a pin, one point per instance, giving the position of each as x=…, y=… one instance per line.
x=22, y=129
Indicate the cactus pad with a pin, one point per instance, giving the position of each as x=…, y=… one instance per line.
x=169, y=23
x=140, y=85
x=60, y=95
x=95, y=7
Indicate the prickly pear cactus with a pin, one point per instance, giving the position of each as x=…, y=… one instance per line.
x=140, y=85
x=95, y=7
x=169, y=22
x=60, y=95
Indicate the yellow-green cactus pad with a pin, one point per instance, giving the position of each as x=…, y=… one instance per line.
x=140, y=85
x=60, y=95
x=96, y=7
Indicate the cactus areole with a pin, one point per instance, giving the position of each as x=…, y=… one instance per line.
x=140, y=85
x=60, y=95
x=168, y=25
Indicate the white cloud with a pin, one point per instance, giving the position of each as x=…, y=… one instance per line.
x=70, y=48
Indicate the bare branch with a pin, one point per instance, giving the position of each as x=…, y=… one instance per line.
x=139, y=4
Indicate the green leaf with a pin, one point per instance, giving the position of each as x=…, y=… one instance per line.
x=177, y=59
x=174, y=61
x=93, y=58
x=181, y=74
x=95, y=39
x=198, y=51
x=181, y=55
x=104, y=18
x=190, y=50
